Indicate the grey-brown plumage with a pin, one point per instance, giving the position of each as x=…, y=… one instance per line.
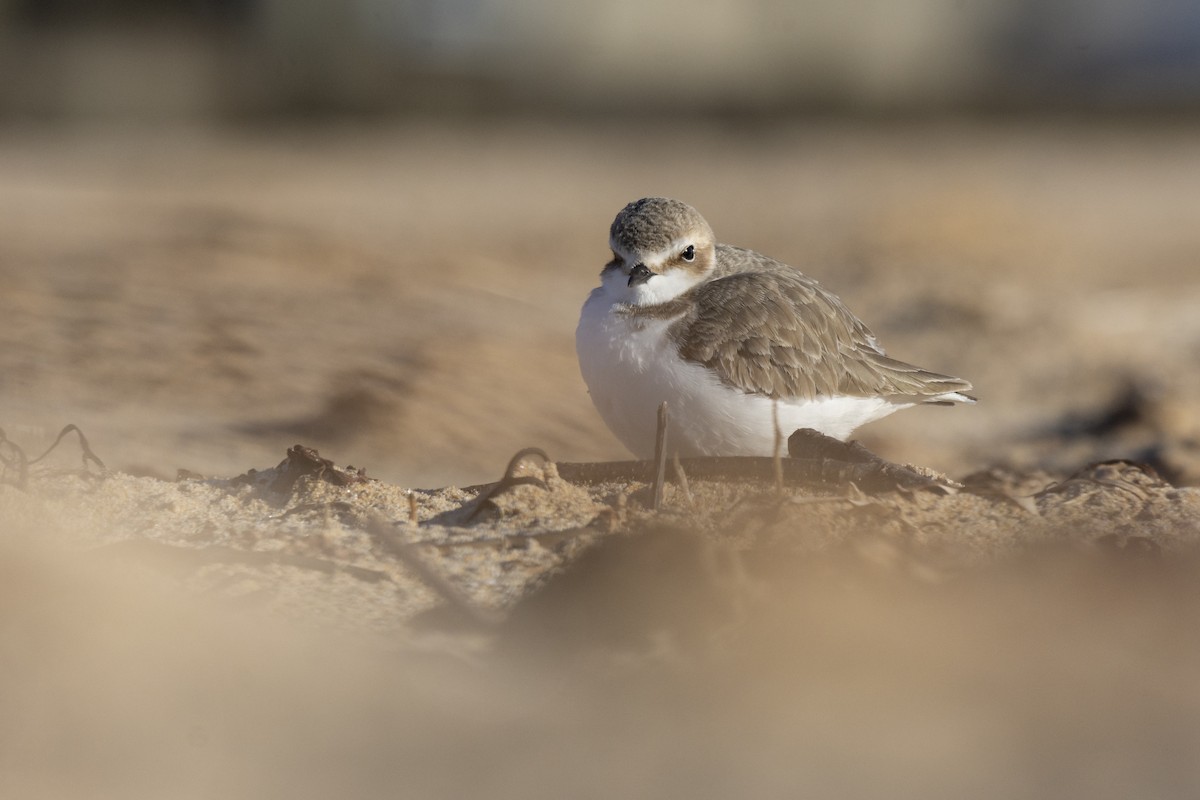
x=652, y=222
x=766, y=328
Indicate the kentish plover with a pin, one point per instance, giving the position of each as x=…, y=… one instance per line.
x=733, y=341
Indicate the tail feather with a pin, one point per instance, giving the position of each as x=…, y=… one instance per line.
x=932, y=388
x=950, y=399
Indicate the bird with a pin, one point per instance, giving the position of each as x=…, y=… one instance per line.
x=741, y=347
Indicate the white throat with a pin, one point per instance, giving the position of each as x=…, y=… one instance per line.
x=659, y=289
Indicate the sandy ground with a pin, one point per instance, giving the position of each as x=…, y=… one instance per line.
x=404, y=300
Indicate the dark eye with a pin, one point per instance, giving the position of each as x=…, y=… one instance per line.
x=689, y=253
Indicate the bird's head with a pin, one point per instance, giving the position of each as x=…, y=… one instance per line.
x=661, y=248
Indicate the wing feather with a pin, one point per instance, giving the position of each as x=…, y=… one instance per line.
x=776, y=332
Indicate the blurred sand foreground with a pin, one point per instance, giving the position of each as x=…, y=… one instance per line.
x=404, y=300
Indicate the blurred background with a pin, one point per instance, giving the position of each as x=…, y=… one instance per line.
x=230, y=225
x=205, y=59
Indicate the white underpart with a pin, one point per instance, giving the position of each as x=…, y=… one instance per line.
x=631, y=366
x=950, y=397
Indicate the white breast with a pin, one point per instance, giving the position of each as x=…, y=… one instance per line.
x=630, y=366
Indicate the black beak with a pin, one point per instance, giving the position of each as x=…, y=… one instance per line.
x=639, y=274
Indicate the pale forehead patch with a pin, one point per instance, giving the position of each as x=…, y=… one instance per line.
x=656, y=258
x=655, y=225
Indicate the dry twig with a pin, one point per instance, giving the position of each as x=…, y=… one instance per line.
x=660, y=456
x=385, y=532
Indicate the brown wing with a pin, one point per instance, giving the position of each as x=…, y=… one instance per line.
x=778, y=333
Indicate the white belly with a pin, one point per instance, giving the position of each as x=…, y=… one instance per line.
x=630, y=367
